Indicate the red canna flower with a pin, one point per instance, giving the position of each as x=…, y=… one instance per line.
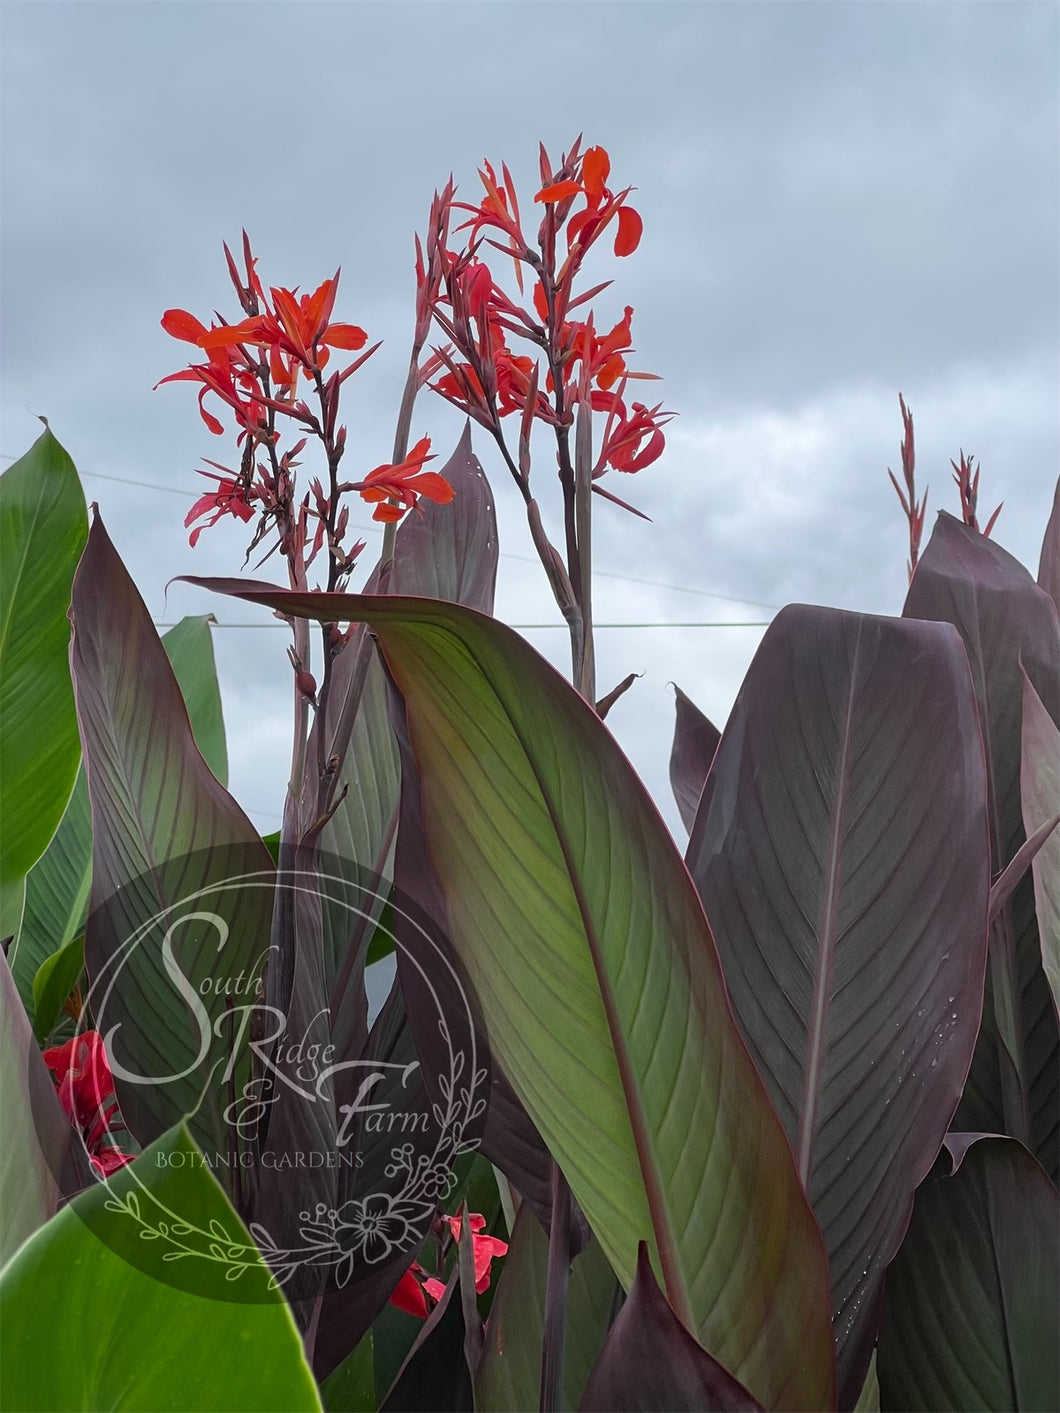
x=228, y=499
x=86, y=1092
x=403, y=482
x=485, y=1248
x=82, y=1074
x=109, y=1160
x=409, y=1293
x=296, y=329
x=498, y=210
x=488, y=380
x=601, y=205
x=292, y=336
x=633, y=439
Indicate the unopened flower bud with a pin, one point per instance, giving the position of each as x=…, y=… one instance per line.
x=306, y=684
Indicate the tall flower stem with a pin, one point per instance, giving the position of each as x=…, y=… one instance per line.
x=402, y=431
x=585, y=667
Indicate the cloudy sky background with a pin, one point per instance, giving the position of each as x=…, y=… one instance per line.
x=841, y=201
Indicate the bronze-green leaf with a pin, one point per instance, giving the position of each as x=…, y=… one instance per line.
x=42, y=532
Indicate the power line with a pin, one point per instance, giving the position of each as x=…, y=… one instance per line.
x=505, y=554
x=723, y=624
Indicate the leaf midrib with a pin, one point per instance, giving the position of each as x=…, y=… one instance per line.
x=826, y=943
x=666, y=1240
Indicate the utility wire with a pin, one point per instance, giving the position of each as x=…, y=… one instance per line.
x=505, y=554
x=724, y=624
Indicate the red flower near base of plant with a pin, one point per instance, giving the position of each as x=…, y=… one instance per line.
x=109, y=1160
x=411, y=1290
x=82, y=1075
x=403, y=482
x=485, y=1248
x=86, y=1092
x=408, y=1294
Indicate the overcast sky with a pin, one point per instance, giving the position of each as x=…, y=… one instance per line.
x=841, y=201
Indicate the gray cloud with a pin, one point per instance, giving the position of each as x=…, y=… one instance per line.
x=840, y=201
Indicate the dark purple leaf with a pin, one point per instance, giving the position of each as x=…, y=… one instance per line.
x=1005, y=886
x=35, y=1134
x=604, y=705
x=163, y=828
x=649, y=1361
x=435, y=1377
x=512, y=1144
x=695, y=741
x=346, y=1313
x=1005, y=620
x=1049, y=563
x=840, y=850
x=972, y=1304
x=1039, y=794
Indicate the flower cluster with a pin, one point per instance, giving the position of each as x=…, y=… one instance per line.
x=478, y=371
x=411, y=1292
x=86, y=1092
x=266, y=370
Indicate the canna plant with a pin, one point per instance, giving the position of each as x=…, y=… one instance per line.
x=468, y=1089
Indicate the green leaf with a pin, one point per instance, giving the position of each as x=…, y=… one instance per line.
x=189, y=647
x=509, y=1375
x=601, y=989
x=351, y=1387
x=869, y=1398
x=43, y=526
x=1040, y=792
x=34, y=1132
x=53, y=983
x=95, y=1316
x=842, y=855
x=57, y=887
x=972, y=1303
x=12, y=903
